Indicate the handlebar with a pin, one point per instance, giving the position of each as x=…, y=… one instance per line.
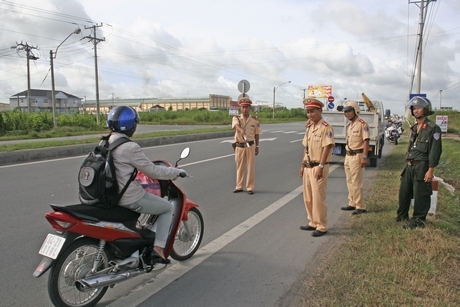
x=184, y=174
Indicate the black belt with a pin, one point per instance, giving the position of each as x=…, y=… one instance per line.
x=311, y=164
x=415, y=162
x=354, y=152
x=242, y=145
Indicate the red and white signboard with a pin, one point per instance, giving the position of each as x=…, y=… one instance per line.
x=441, y=121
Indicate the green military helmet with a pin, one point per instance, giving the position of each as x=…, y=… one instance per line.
x=422, y=102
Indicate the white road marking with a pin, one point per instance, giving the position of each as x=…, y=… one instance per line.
x=260, y=140
x=267, y=139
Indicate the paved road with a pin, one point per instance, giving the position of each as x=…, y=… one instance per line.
x=252, y=254
x=140, y=129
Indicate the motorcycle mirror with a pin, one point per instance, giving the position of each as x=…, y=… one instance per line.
x=184, y=154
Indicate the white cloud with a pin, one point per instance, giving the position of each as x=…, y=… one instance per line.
x=179, y=48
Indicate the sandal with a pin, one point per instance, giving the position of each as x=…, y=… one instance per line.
x=156, y=258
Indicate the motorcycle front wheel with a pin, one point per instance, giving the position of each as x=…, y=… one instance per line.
x=189, y=236
x=74, y=264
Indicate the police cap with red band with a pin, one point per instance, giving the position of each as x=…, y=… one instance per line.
x=244, y=101
x=312, y=103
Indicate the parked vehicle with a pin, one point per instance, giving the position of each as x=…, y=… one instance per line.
x=94, y=248
x=393, y=132
x=370, y=111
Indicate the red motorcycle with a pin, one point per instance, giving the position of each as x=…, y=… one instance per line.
x=94, y=248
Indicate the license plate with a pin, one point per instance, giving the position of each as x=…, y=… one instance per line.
x=52, y=246
x=337, y=150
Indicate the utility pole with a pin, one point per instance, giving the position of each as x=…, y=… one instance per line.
x=30, y=56
x=53, y=92
x=95, y=41
x=422, y=4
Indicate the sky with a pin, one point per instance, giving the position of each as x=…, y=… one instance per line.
x=183, y=48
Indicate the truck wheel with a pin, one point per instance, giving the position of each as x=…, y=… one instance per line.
x=382, y=142
x=373, y=162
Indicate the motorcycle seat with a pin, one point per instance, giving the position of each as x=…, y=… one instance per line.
x=116, y=214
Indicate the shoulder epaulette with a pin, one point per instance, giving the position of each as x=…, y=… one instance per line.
x=431, y=124
x=362, y=121
x=325, y=123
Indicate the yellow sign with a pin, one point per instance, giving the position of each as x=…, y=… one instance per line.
x=320, y=91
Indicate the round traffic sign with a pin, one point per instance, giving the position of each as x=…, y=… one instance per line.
x=244, y=86
x=330, y=105
x=330, y=98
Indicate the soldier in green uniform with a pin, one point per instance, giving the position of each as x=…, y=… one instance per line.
x=422, y=157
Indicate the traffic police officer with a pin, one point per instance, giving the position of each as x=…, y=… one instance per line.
x=314, y=169
x=247, y=130
x=357, y=149
x=422, y=157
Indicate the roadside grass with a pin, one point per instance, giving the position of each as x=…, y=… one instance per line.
x=55, y=132
x=54, y=143
x=379, y=263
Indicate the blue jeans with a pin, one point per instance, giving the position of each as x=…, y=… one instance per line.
x=152, y=204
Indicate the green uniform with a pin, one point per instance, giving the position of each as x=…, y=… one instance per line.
x=424, y=151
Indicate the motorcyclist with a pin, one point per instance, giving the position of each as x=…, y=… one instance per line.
x=389, y=122
x=122, y=121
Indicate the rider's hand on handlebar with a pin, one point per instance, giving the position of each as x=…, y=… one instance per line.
x=183, y=174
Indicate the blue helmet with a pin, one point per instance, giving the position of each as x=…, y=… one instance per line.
x=123, y=119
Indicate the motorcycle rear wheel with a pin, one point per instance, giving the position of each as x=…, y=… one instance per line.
x=74, y=264
x=185, y=246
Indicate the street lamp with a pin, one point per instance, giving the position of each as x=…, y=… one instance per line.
x=52, y=57
x=440, y=94
x=274, y=91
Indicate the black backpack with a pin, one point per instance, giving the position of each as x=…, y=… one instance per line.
x=97, y=178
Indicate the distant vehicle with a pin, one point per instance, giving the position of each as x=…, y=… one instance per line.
x=373, y=113
x=393, y=131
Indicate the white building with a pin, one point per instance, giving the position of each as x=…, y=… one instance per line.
x=41, y=100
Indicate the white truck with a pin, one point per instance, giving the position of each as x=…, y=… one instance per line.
x=373, y=113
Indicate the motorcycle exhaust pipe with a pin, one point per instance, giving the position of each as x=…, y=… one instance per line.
x=89, y=283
